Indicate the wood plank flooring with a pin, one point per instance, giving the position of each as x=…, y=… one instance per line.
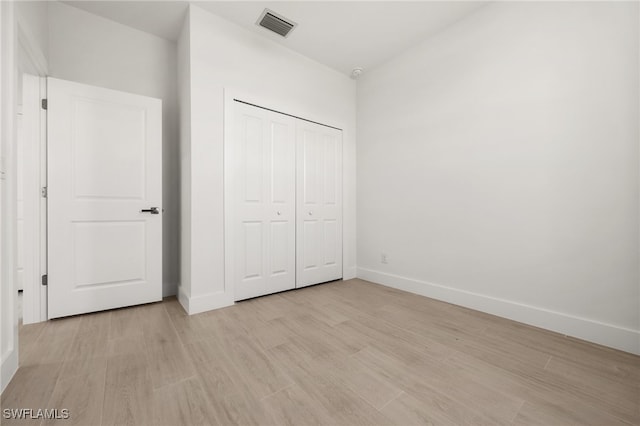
x=343, y=353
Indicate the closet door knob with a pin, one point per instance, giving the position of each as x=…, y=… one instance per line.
x=278, y=213
x=310, y=213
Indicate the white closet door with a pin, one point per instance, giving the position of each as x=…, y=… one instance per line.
x=319, y=204
x=265, y=205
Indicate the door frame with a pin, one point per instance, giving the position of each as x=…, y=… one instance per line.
x=34, y=296
x=31, y=60
x=231, y=95
x=19, y=49
x=8, y=199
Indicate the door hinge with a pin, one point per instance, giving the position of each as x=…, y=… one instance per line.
x=44, y=104
x=44, y=280
x=44, y=192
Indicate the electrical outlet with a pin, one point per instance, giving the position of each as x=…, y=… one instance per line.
x=383, y=258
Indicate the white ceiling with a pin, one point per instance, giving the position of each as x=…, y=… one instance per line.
x=340, y=34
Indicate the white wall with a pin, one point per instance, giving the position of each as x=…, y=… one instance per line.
x=8, y=299
x=224, y=55
x=92, y=50
x=498, y=167
x=184, y=100
x=34, y=19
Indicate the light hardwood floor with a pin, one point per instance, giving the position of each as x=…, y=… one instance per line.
x=343, y=353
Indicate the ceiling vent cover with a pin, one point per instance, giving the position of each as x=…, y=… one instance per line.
x=276, y=23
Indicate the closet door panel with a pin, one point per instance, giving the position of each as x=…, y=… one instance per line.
x=280, y=248
x=319, y=216
x=330, y=242
x=330, y=164
x=310, y=253
x=265, y=203
x=282, y=210
x=252, y=245
x=282, y=158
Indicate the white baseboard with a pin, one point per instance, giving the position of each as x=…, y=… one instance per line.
x=8, y=369
x=613, y=336
x=349, y=273
x=203, y=303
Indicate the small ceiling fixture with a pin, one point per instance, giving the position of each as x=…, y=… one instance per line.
x=357, y=72
x=276, y=23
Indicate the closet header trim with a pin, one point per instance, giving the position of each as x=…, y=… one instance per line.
x=284, y=113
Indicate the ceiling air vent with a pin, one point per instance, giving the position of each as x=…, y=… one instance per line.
x=276, y=23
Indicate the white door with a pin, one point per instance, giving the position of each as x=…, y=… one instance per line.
x=264, y=216
x=319, y=204
x=105, y=198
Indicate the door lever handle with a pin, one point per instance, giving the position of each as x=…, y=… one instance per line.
x=152, y=210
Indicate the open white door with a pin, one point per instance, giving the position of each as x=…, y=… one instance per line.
x=105, y=199
x=319, y=204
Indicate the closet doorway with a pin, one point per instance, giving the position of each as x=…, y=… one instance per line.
x=284, y=195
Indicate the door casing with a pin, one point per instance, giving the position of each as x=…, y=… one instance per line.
x=31, y=60
x=34, y=173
